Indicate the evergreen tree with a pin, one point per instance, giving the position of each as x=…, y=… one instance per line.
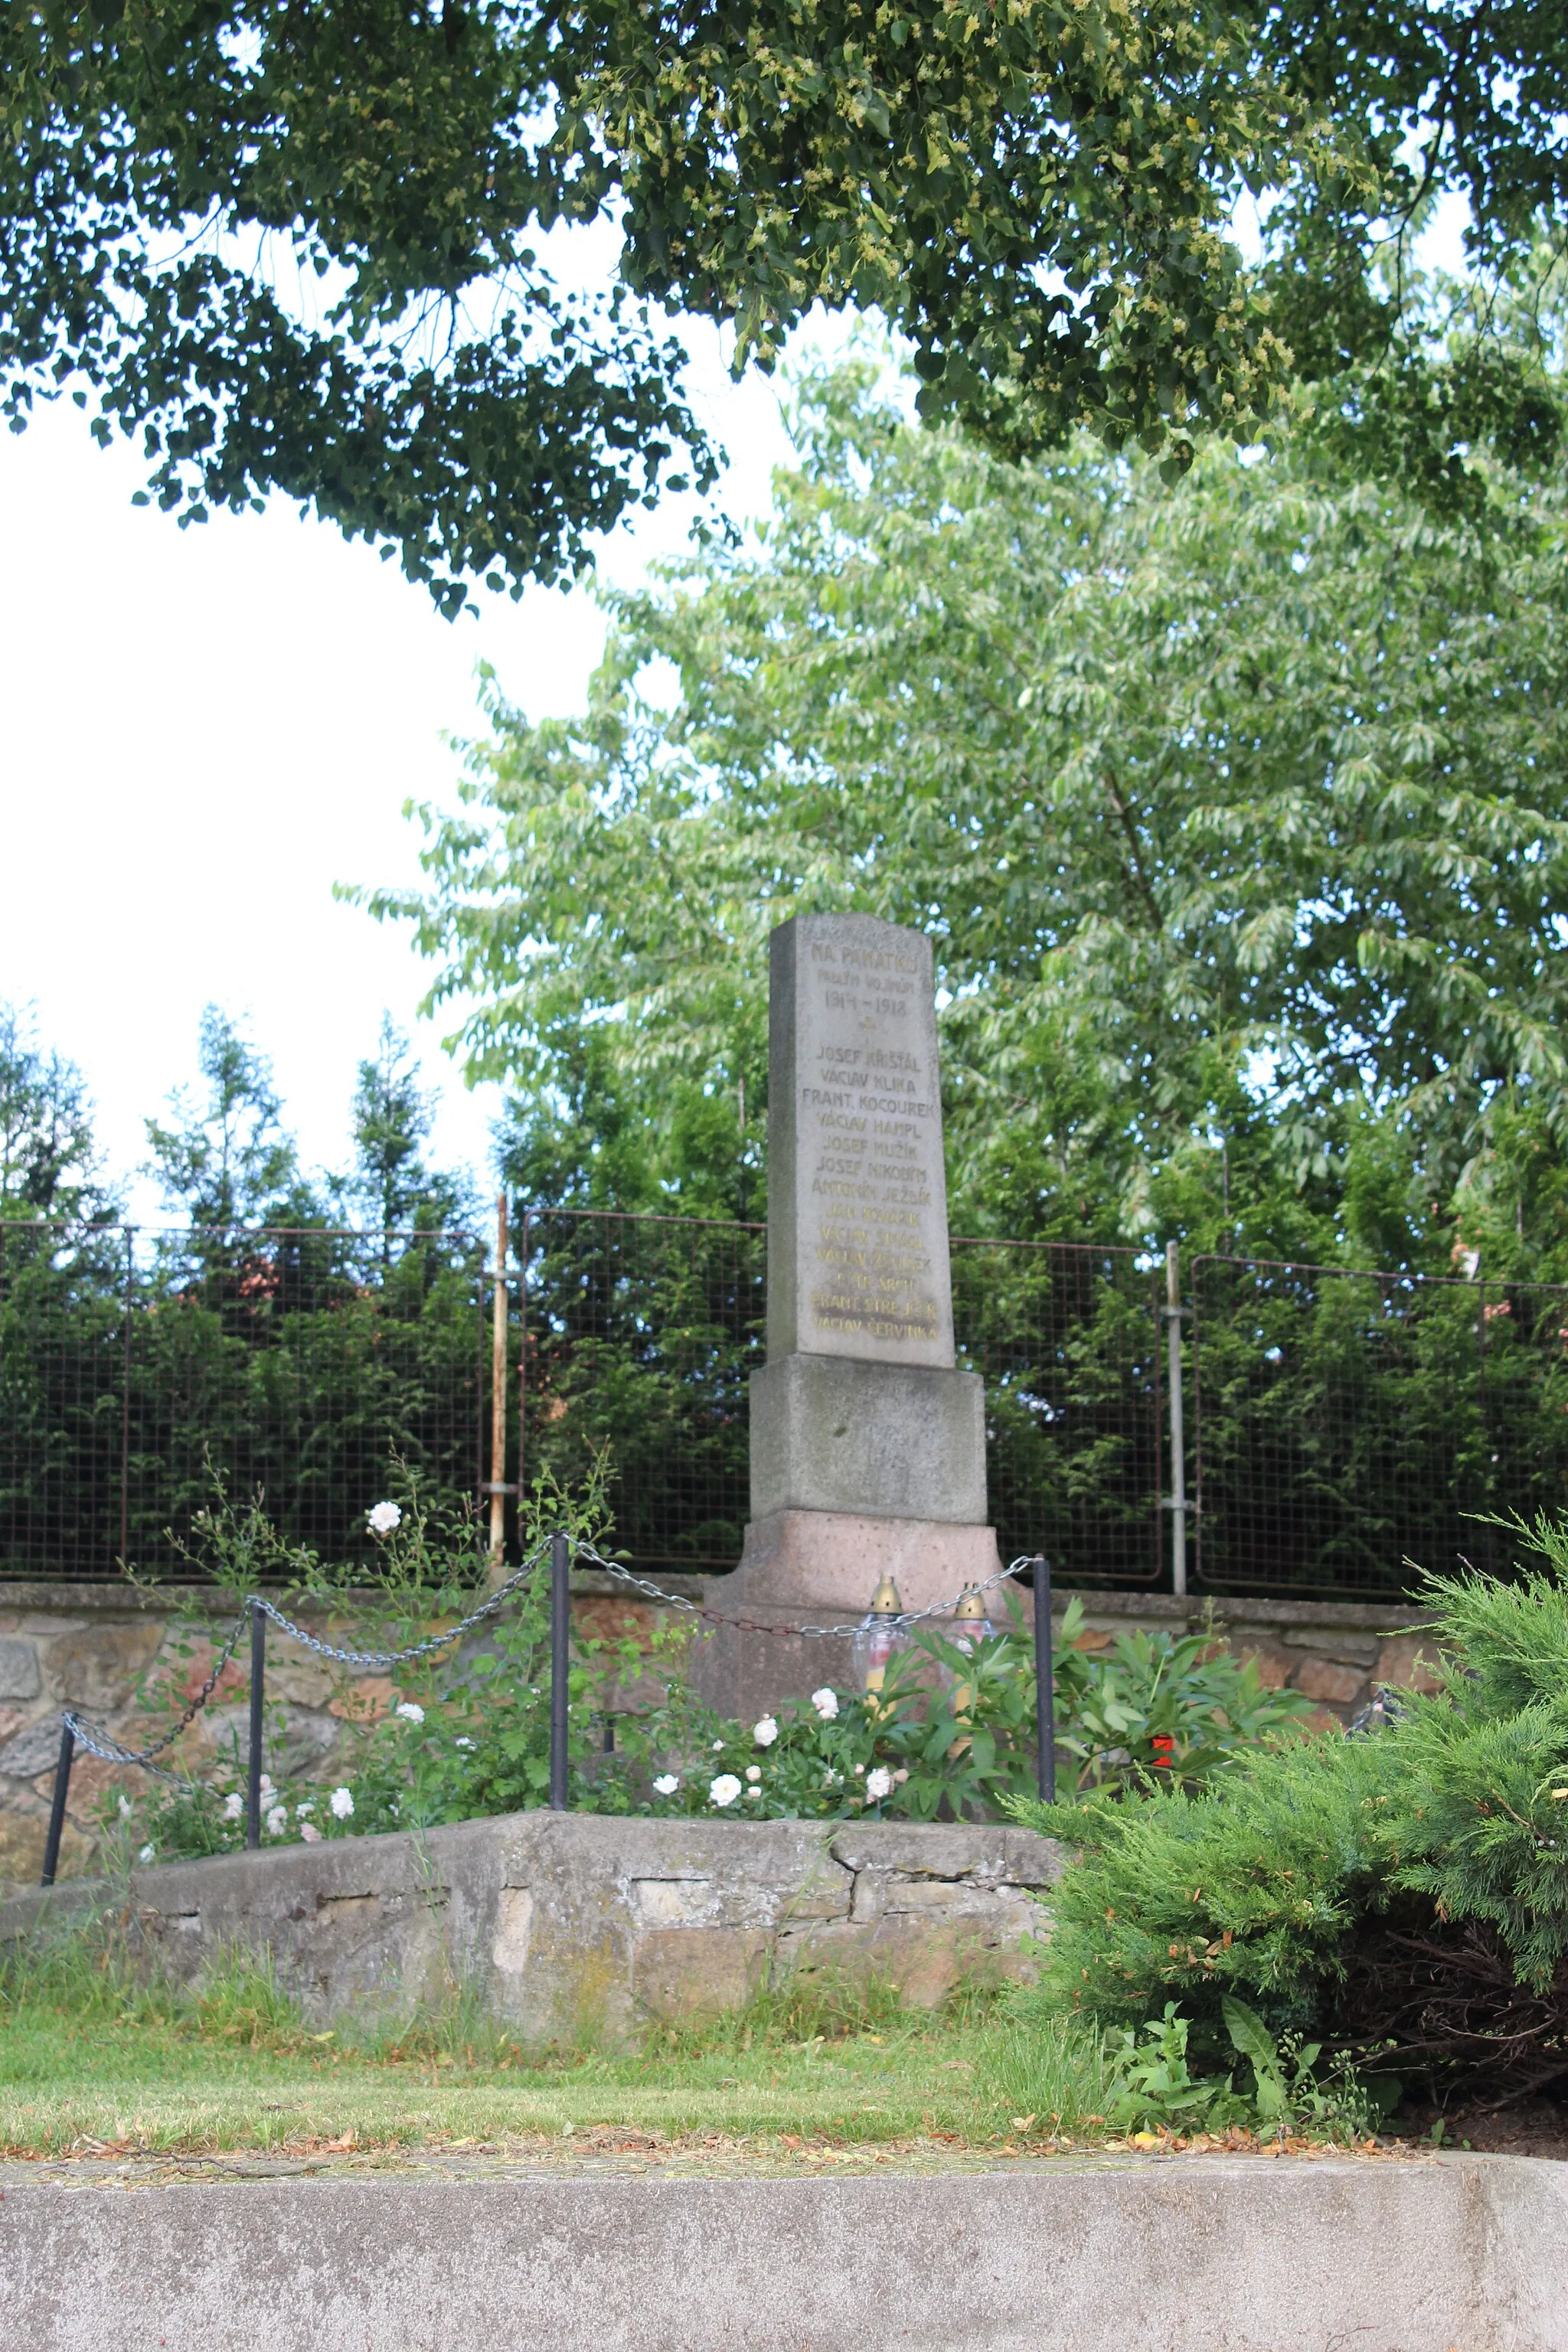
x=226, y=1160
x=48, y=1165
x=390, y=1186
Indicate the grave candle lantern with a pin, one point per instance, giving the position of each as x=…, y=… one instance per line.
x=971, y=1624
x=880, y=1635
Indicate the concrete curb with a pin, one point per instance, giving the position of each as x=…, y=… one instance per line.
x=1197, y=2254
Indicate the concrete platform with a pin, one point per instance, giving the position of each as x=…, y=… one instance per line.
x=1187, y=2254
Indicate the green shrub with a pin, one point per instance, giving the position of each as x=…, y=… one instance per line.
x=1402, y=1897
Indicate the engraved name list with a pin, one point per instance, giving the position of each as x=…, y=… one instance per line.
x=869, y=1129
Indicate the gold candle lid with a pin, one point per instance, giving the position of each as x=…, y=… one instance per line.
x=885, y=1601
x=970, y=1603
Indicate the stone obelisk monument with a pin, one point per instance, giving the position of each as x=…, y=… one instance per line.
x=867, y=1443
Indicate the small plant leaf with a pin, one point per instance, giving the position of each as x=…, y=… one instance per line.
x=1250, y=2036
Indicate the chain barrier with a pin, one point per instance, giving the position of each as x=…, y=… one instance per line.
x=102, y=1744
x=496, y=1600
x=109, y=1750
x=75, y=1733
x=652, y=1591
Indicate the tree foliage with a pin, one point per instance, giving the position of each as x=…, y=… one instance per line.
x=48, y=1162
x=290, y=245
x=224, y=1161
x=1235, y=807
x=390, y=1186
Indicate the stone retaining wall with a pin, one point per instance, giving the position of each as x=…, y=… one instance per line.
x=95, y=1647
x=579, y=1925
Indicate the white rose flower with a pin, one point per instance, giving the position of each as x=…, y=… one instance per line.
x=753, y=1792
x=754, y=1771
x=667, y=1783
x=766, y=1732
x=278, y=1821
x=146, y=1854
x=124, y=1804
x=410, y=1710
x=718, y=1747
x=902, y=1775
x=343, y=1804
x=302, y=1812
x=311, y=1833
x=461, y=1742
x=267, y=1788
x=724, y=1789
x=826, y=1702
x=233, y=1806
x=384, y=1518
x=879, y=1783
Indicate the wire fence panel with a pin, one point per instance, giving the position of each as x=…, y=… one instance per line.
x=1347, y=1423
x=641, y=1334
x=1067, y=1341
x=1343, y=1423
x=139, y=1370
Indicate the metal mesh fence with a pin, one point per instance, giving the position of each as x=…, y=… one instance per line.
x=1347, y=1424
x=1067, y=1339
x=138, y=1368
x=642, y=1333
x=1343, y=1423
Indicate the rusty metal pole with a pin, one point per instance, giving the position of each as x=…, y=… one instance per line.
x=498, y=1402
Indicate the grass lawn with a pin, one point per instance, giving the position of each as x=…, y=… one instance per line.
x=97, y=2065
x=91, y=2060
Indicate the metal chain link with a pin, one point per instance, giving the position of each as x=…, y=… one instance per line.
x=496, y=1600
x=644, y=1584
x=102, y=1744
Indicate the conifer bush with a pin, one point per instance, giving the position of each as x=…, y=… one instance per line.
x=1402, y=1896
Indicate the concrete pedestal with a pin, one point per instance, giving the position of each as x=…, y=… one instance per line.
x=822, y=1568
x=832, y=1437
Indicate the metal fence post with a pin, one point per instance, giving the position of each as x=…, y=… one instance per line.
x=258, y=1698
x=58, y=1808
x=1045, y=1682
x=1176, y=1501
x=498, y=1486
x=559, y=1665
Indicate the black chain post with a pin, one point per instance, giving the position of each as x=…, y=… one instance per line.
x=58, y=1808
x=1045, y=1682
x=258, y=1698
x=560, y=1665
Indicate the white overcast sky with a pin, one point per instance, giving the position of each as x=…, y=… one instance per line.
x=204, y=729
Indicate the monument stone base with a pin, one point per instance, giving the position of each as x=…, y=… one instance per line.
x=822, y=1568
x=832, y=1438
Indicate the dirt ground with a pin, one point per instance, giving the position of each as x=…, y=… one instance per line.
x=1531, y=2128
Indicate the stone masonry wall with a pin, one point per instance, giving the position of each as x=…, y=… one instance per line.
x=573, y=1926
x=96, y=1647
